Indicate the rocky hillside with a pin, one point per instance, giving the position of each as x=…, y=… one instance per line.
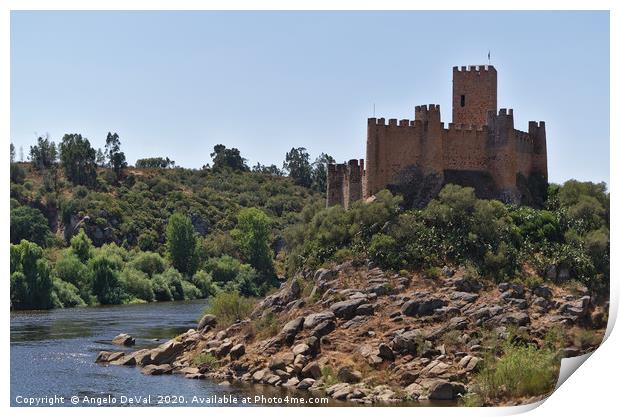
x=357, y=333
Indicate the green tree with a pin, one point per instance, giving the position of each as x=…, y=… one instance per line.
x=77, y=158
x=106, y=284
x=181, y=241
x=227, y=158
x=116, y=158
x=82, y=246
x=155, y=162
x=31, y=280
x=30, y=224
x=100, y=158
x=319, y=172
x=252, y=236
x=43, y=155
x=12, y=153
x=297, y=165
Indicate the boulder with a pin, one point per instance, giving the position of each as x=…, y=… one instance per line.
x=311, y=370
x=349, y=375
x=166, y=353
x=385, y=352
x=157, y=369
x=516, y=319
x=346, y=309
x=324, y=328
x=124, y=339
x=466, y=297
x=365, y=310
x=469, y=363
x=439, y=389
x=282, y=360
x=323, y=277
x=301, y=349
x=290, y=330
x=407, y=342
x=237, y=351
x=305, y=383
x=313, y=320
x=422, y=307
x=102, y=356
x=208, y=321
x=458, y=323
x=543, y=291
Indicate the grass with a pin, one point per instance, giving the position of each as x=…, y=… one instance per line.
x=450, y=340
x=584, y=338
x=206, y=359
x=521, y=371
x=266, y=326
x=432, y=273
x=329, y=376
x=229, y=307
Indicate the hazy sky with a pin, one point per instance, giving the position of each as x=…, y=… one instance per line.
x=177, y=83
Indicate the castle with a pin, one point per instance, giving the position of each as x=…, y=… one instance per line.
x=480, y=148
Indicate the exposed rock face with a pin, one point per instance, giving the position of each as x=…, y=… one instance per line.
x=369, y=337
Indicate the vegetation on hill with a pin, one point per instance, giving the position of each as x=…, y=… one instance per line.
x=567, y=240
x=86, y=228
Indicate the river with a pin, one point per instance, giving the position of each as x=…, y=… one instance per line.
x=53, y=354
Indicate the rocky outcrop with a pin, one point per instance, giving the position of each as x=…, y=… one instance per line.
x=367, y=336
x=124, y=340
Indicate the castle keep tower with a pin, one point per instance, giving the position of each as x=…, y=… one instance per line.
x=480, y=148
x=474, y=93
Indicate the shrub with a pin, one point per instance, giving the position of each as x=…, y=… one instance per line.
x=520, y=371
x=203, y=281
x=66, y=295
x=168, y=285
x=149, y=262
x=137, y=284
x=229, y=307
x=29, y=224
x=81, y=245
x=31, y=282
x=106, y=285
x=207, y=360
x=69, y=269
x=190, y=292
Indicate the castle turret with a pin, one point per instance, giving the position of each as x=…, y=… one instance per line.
x=474, y=93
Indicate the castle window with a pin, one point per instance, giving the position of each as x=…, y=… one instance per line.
x=462, y=100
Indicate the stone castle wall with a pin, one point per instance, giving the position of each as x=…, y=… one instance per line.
x=487, y=145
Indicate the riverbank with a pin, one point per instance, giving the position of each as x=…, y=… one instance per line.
x=360, y=334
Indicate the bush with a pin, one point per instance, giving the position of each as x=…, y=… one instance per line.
x=31, y=282
x=229, y=307
x=190, y=292
x=168, y=285
x=66, y=295
x=520, y=371
x=106, y=285
x=69, y=269
x=149, y=262
x=137, y=284
x=81, y=245
x=29, y=224
x=203, y=281
x=207, y=360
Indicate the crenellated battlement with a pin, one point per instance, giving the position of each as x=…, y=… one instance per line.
x=472, y=68
x=480, y=142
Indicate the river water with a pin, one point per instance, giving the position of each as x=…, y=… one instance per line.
x=53, y=354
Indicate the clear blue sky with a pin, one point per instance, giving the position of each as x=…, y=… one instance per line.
x=177, y=83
